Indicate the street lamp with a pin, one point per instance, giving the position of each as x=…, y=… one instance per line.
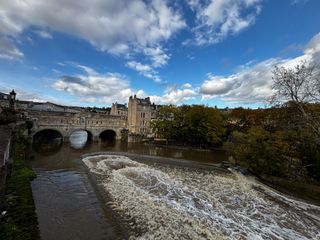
x=12, y=99
x=13, y=95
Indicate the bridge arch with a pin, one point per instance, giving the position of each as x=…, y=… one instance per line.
x=108, y=135
x=47, y=139
x=90, y=135
x=47, y=133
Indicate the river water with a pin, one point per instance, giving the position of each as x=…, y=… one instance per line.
x=67, y=205
x=158, y=201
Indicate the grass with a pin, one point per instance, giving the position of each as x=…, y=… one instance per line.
x=20, y=221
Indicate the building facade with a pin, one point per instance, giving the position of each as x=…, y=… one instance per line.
x=140, y=113
x=119, y=109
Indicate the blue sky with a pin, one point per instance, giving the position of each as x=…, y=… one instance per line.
x=95, y=52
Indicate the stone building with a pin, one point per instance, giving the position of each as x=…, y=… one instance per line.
x=4, y=100
x=119, y=109
x=140, y=113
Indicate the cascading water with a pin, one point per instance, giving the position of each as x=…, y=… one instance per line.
x=178, y=203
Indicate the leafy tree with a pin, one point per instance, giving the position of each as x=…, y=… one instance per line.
x=166, y=124
x=205, y=125
x=193, y=124
x=261, y=151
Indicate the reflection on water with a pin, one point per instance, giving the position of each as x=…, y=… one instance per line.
x=48, y=148
x=67, y=205
x=78, y=139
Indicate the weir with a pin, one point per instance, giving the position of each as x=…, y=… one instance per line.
x=178, y=203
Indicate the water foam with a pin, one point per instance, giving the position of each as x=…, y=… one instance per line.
x=177, y=203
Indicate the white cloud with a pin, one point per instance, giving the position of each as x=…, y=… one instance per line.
x=95, y=87
x=173, y=95
x=217, y=19
x=187, y=85
x=113, y=26
x=139, y=66
x=26, y=95
x=295, y=2
x=144, y=69
x=253, y=82
x=43, y=34
x=8, y=50
x=158, y=57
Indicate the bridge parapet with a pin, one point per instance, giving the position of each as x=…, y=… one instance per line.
x=67, y=123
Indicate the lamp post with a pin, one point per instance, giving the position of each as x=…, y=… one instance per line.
x=13, y=100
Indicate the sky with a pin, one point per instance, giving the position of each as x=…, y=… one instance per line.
x=96, y=52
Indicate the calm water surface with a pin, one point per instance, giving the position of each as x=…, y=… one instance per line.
x=67, y=204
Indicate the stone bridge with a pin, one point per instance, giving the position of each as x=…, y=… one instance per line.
x=95, y=124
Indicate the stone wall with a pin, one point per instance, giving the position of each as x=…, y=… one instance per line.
x=67, y=123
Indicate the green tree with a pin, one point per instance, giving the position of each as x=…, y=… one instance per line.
x=194, y=124
x=261, y=151
x=166, y=125
x=205, y=125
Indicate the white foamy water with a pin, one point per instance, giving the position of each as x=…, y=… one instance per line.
x=177, y=203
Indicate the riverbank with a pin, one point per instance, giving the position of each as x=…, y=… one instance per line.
x=180, y=145
x=18, y=216
x=305, y=191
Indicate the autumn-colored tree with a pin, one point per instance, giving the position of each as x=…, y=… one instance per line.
x=193, y=124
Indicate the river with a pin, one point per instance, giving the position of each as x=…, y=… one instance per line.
x=160, y=201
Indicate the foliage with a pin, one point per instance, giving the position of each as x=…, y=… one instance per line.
x=20, y=222
x=7, y=116
x=261, y=151
x=192, y=124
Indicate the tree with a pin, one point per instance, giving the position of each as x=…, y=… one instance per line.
x=193, y=124
x=260, y=151
x=167, y=124
x=205, y=125
x=301, y=87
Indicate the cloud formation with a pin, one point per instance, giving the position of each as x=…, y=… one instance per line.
x=174, y=95
x=145, y=70
x=253, y=82
x=95, y=87
x=217, y=19
x=43, y=34
x=117, y=27
x=8, y=50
